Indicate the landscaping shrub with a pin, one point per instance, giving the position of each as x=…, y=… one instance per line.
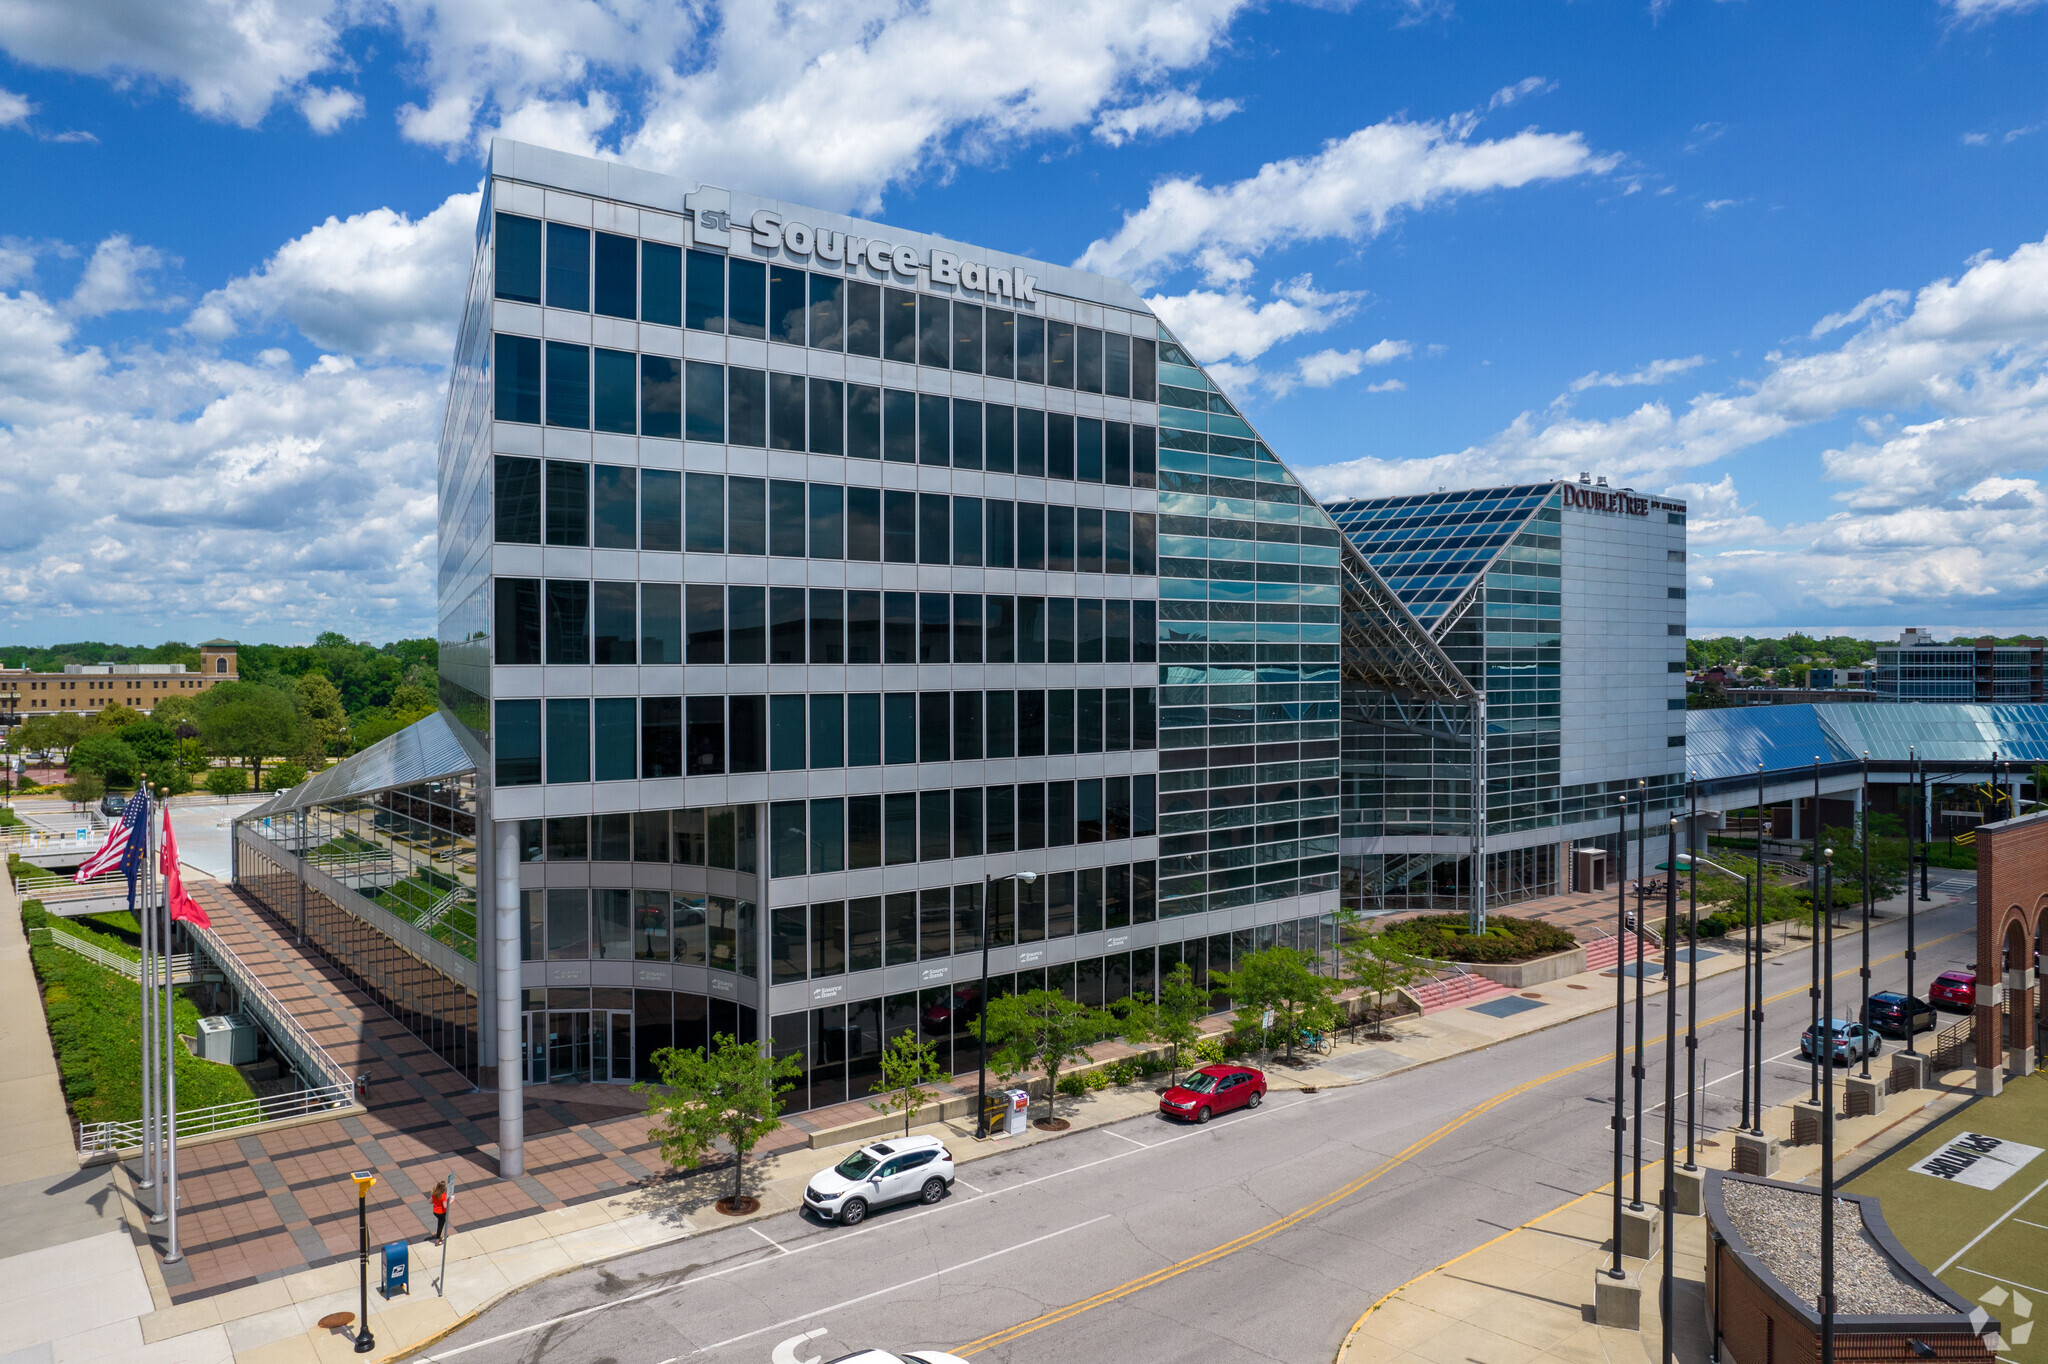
x=1209, y=1051
x=1444, y=937
x=1073, y=1085
x=95, y=1018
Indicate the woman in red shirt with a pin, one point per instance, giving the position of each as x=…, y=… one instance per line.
x=440, y=1206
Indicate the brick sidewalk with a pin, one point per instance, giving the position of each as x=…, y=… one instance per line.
x=259, y=1207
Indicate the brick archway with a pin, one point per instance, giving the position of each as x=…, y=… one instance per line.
x=2012, y=904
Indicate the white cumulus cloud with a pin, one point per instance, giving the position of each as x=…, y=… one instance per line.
x=327, y=110
x=1656, y=372
x=14, y=109
x=376, y=284
x=1169, y=111
x=1351, y=189
x=117, y=279
x=1215, y=324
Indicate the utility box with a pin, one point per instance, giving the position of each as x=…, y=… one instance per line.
x=229, y=1039
x=1020, y=1111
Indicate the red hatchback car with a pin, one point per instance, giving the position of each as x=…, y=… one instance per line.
x=1212, y=1090
x=1953, y=990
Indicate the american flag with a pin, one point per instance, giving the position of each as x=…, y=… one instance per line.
x=126, y=843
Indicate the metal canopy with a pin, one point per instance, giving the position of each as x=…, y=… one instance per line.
x=427, y=750
x=1731, y=742
x=1384, y=645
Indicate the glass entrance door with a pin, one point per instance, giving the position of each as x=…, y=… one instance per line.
x=569, y=1047
x=579, y=1046
x=622, y=1045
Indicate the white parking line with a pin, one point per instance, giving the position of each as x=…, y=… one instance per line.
x=769, y=1239
x=1731, y=1075
x=1132, y=1140
x=897, y=1287
x=1988, y=1230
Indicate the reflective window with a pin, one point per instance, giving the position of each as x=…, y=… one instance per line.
x=516, y=500
x=785, y=304
x=661, y=509
x=515, y=738
x=899, y=326
x=747, y=299
x=568, y=504
x=613, y=628
x=661, y=284
x=704, y=402
x=615, y=734
x=704, y=308
x=516, y=380
x=661, y=623
x=863, y=319
x=517, y=262
x=569, y=267
x=617, y=275
x=613, y=507
x=568, y=621
x=863, y=421
x=568, y=739
x=568, y=388
x=828, y=312
x=786, y=411
x=934, y=339
x=661, y=397
x=746, y=406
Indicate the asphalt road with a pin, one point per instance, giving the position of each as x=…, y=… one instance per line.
x=1260, y=1236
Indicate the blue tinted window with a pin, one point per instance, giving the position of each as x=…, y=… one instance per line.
x=934, y=440
x=612, y=521
x=568, y=385
x=518, y=258
x=569, y=267
x=661, y=284
x=516, y=499
x=704, y=308
x=617, y=736
x=517, y=376
x=864, y=729
x=786, y=304
x=516, y=737
x=828, y=731
x=747, y=303
x=568, y=508
x=616, y=275
x=661, y=397
x=785, y=733
x=614, y=391
x=704, y=402
x=568, y=740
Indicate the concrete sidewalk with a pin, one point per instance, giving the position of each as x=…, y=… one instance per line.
x=1527, y=1294
x=133, y=1314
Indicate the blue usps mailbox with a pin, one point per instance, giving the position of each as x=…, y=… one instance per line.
x=397, y=1276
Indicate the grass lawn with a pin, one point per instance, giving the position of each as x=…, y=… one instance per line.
x=95, y=1018
x=1935, y=1219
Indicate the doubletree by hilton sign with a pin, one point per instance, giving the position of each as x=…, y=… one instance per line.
x=1605, y=500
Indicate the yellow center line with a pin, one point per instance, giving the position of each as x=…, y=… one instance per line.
x=1330, y=1200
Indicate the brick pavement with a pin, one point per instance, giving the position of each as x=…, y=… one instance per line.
x=262, y=1206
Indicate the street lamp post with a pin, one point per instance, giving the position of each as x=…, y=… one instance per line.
x=365, y=1342
x=1912, y=813
x=1696, y=862
x=987, y=904
x=1692, y=986
x=1668, y=1198
x=1827, y=1147
x=1620, y=1120
x=1642, y=847
x=1863, y=837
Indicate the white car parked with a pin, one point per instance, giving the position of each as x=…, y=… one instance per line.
x=886, y=1172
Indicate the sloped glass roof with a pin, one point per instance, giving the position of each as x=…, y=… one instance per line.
x=426, y=750
x=1723, y=743
x=1432, y=547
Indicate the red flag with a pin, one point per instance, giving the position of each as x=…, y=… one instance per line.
x=183, y=906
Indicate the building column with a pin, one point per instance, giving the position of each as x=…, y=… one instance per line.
x=511, y=1081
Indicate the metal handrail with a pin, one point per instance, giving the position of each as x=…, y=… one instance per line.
x=329, y=861
x=433, y=914
x=282, y=1026
x=184, y=966
x=59, y=889
x=104, y=1138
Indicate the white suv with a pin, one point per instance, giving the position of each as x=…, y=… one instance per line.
x=886, y=1172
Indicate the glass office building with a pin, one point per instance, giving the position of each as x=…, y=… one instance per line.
x=1922, y=668
x=801, y=579
x=1562, y=607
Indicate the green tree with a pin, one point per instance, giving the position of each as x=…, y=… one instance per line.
x=114, y=716
x=283, y=776
x=1887, y=860
x=250, y=721
x=1279, y=979
x=84, y=788
x=908, y=1065
x=226, y=781
x=57, y=734
x=322, y=720
x=1374, y=963
x=1045, y=1030
x=732, y=1090
x=173, y=711
x=107, y=757
x=1168, y=1017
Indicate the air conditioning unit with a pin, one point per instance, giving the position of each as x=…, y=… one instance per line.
x=228, y=1038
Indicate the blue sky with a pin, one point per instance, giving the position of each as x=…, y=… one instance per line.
x=1786, y=261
